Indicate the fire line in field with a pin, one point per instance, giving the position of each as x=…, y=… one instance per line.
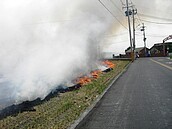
x=94, y=74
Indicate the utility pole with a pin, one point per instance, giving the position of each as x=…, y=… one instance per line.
x=164, y=48
x=144, y=38
x=128, y=13
x=134, y=12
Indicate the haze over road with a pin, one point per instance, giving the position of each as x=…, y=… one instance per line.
x=140, y=99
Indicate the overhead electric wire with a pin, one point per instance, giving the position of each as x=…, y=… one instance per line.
x=132, y=3
x=122, y=2
x=156, y=22
x=114, y=35
x=139, y=18
x=155, y=35
x=119, y=42
x=160, y=18
x=112, y=14
x=116, y=6
x=116, y=42
x=151, y=35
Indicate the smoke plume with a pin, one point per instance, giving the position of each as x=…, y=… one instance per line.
x=45, y=43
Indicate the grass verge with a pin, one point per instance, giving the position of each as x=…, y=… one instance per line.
x=60, y=112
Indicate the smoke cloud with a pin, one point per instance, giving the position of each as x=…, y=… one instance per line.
x=45, y=43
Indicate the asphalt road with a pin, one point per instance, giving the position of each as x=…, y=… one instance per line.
x=140, y=99
x=165, y=61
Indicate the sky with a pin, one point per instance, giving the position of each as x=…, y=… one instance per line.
x=154, y=11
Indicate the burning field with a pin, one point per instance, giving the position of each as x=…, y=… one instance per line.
x=46, y=43
x=50, y=68
x=95, y=74
x=60, y=111
x=75, y=84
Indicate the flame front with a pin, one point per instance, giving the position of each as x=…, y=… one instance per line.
x=83, y=80
x=108, y=64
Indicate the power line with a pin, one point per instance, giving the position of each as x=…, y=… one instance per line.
x=139, y=19
x=160, y=18
x=117, y=42
x=120, y=42
x=116, y=6
x=122, y=2
x=115, y=35
x=151, y=35
x=156, y=22
x=155, y=35
x=131, y=2
x=112, y=14
x=137, y=22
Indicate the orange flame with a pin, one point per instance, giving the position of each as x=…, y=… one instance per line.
x=108, y=64
x=83, y=80
x=95, y=74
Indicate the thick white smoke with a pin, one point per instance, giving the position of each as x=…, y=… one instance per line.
x=44, y=43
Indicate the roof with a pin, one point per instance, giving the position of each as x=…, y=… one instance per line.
x=159, y=46
x=136, y=49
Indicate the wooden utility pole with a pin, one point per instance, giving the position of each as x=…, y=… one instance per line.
x=128, y=13
x=144, y=38
x=134, y=12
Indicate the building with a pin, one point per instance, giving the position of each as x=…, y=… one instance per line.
x=157, y=49
x=138, y=51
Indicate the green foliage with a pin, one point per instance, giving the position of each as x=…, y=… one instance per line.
x=60, y=112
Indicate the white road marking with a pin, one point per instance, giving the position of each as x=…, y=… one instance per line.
x=168, y=62
x=162, y=64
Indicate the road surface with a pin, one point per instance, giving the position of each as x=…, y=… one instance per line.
x=140, y=99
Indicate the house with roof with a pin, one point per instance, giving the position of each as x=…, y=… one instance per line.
x=157, y=49
x=138, y=51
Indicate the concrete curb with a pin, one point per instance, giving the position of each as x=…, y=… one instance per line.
x=89, y=109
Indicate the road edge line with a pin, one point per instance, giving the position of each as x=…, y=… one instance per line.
x=90, y=108
x=166, y=66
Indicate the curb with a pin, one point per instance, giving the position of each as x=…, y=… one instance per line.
x=89, y=109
